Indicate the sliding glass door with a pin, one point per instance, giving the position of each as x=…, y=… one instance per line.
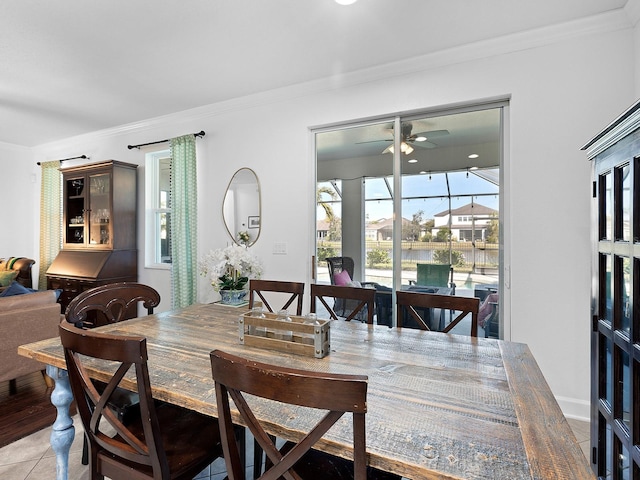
x=412, y=195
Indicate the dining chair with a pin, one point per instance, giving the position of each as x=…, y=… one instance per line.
x=296, y=289
x=410, y=303
x=361, y=300
x=337, y=394
x=112, y=303
x=163, y=441
x=256, y=288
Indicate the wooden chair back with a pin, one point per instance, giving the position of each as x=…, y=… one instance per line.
x=296, y=289
x=111, y=303
x=93, y=406
x=138, y=450
x=336, y=393
x=407, y=301
x=361, y=297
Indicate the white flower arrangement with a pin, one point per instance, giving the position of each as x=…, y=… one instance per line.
x=243, y=237
x=230, y=268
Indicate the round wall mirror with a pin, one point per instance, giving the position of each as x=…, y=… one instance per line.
x=241, y=207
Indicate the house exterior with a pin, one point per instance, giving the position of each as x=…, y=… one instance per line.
x=469, y=222
x=322, y=229
x=382, y=229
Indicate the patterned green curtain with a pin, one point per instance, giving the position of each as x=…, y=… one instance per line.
x=184, y=221
x=50, y=218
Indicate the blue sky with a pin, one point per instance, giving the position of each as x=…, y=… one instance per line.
x=426, y=192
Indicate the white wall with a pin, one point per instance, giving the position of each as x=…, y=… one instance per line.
x=19, y=180
x=565, y=84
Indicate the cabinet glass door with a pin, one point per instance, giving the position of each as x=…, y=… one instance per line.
x=100, y=210
x=74, y=192
x=616, y=370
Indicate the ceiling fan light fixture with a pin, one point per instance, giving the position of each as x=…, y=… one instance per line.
x=404, y=148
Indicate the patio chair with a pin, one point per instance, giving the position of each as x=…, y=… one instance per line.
x=435, y=275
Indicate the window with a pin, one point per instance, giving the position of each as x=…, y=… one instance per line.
x=425, y=205
x=158, y=209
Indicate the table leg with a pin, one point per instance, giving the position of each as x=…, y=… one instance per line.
x=63, y=430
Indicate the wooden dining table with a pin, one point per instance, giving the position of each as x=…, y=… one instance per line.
x=440, y=406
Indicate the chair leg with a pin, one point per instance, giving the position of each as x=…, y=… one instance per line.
x=241, y=439
x=257, y=460
x=48, y=380
x=258, y=457
x=85, y=451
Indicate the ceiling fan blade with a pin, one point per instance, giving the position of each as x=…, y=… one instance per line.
x=431, y=133
x=423, y=144
x=374, y=141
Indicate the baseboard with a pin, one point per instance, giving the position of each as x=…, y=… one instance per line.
x=575, y=408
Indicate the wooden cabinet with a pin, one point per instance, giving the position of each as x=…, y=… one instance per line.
x=615, y=305
x=99, y=206
x=99, y=218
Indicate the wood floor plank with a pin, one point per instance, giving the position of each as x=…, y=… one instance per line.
x=27, y=411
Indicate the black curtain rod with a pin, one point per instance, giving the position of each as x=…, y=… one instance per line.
x=70, y=158
x=199, y=134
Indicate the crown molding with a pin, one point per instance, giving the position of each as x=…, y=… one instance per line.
x=623, y=125
x=632, y=9
x=607, y=22
x=15, y=146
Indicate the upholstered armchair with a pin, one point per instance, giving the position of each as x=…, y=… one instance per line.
x=16, y=269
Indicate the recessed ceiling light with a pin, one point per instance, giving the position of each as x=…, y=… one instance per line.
x=422, y=172
x=473, y=168
x=474, y=155
x=346, y=2
x=420, y=139
x=413, y=160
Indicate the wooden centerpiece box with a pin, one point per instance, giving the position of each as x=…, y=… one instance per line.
x=295, y=336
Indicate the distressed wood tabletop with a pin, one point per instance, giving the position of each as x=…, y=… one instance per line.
x=440, y=406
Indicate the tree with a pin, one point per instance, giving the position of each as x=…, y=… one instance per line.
x=411, y=231
x=443, y=234
x=427, y=226
x=335, y=223
x=493, y=230
x=377, y=256
x=442, y=256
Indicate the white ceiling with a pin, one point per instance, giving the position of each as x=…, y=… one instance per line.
x=69, y=67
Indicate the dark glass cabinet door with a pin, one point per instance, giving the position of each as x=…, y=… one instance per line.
x=615, y=345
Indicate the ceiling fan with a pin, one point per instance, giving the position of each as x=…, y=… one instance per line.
x=409, y=141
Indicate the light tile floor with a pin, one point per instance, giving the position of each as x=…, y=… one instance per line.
x=31, y=458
